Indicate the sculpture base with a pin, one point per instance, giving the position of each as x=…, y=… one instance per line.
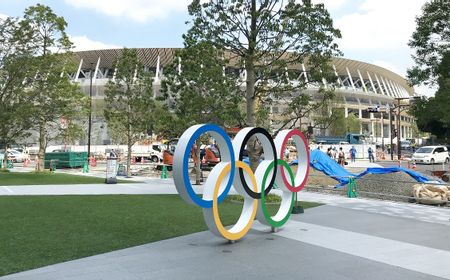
x=297, y=210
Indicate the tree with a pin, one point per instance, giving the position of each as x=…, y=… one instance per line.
x=14, y=104
x=53, y=96
x=342, y=125
x=430, y=40
x=129, y=100
x=267, y=38
x=199, y=91
x=432, y=114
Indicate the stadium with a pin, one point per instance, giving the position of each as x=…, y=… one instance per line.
x=361, y=85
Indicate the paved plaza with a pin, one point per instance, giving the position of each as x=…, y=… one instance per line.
x=344, y=239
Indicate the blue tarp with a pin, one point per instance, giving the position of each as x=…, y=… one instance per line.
x=322, y=162
x=384, y=170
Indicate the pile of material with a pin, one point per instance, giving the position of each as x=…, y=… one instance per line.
x=431, y=194
x=392, y=186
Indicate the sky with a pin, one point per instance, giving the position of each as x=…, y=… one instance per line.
x=373, y=31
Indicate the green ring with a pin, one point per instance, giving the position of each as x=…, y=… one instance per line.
x=263, y=199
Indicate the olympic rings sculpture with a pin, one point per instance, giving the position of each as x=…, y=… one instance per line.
x=232, y=171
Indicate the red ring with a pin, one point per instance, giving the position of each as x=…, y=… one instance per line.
x=305, y=142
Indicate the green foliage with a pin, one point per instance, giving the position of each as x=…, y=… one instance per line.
x=51, y=95
x=342, y=125
x=199, y=91
x=433, y=114
x=129, y=98
x=430, y=40
x=353, y=124
x=129, y=101
x=14, y=73
x=267, y=38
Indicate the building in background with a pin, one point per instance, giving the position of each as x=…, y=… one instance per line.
x=359, y=85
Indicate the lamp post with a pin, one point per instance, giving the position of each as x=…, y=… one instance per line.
x=90, y=117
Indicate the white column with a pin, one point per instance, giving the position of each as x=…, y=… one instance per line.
x=362, y=80
x=385, y=86
x=373, y=129
x=397, y=91
x=346, y=112
x=78, y=71
x=350, y=77
x=157, y=71
x=304, y=73
x=337, y=75
x=379, y=85
x=371, y=83
x=389, y=82
x=96, y=70
x=114, y=74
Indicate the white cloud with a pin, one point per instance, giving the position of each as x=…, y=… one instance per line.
x=379, y=24
x=83, y=43
x=136, y=10
x=425, y=90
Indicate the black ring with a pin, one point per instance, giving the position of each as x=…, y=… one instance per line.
x=250, y=192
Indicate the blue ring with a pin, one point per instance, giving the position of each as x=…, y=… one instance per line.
x=203, y=129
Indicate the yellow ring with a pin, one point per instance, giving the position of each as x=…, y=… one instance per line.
x=222, y=230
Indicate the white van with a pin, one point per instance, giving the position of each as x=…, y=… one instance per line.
x=431, y=155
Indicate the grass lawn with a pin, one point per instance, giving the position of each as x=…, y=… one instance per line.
x=40, y=230
x=47, y=178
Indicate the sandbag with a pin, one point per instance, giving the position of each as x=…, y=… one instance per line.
x=431, y=194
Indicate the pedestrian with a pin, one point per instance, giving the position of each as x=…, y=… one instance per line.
x=334, y=153
x=353, y=153
x=341, y=157
x=329, y=153
x=370, y=152
x=286, y=153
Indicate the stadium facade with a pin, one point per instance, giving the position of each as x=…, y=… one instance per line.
x=361, y=85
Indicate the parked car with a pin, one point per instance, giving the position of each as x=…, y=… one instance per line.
x=10, y=156
x=18, y=156
x=405, y=145
x=431, y=155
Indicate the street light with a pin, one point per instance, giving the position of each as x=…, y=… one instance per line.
x=90, y=117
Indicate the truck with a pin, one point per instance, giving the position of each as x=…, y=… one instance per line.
x=350, y=138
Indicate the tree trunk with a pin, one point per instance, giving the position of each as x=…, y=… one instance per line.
x=42, y=145
x=129, y=158
x=250, y=117
x=199, y=162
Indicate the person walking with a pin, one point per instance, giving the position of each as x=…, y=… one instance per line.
x=329, y=153
x=341, y=157
x=370, y=152
x=353, y=154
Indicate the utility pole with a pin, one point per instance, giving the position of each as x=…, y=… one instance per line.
x=391, y=134
x=90, y=117
x=382, y=132
x=399, y=147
